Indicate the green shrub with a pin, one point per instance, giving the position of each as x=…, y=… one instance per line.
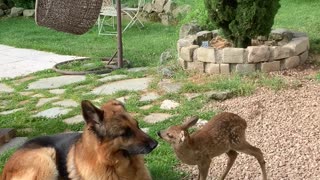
x=242, y=20
x=27, y=4
x=199, y=15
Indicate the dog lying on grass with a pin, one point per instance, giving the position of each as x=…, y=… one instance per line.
x=110, y=148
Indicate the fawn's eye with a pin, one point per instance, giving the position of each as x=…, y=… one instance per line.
x=169, y=135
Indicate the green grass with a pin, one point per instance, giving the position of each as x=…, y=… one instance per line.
x=301, y=16
x=318, y=76
x=142, y=48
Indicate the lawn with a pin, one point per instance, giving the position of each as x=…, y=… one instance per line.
x=142, y=48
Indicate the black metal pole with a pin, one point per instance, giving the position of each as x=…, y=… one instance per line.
x=119, y=34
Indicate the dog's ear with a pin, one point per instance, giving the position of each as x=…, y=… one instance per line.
x=189, y=122
x=93, y=117
x=91, y=114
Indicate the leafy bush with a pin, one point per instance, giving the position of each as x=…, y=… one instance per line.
x=199, y=15
x=27, y=4
x=242, y=20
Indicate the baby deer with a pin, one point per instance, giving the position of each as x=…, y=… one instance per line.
x=225, y=133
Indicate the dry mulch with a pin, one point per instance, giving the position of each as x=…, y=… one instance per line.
x=284, y=124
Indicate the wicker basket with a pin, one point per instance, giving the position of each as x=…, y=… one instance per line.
x=71, y=16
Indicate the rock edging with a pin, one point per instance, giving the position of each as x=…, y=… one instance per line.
x=283, y=49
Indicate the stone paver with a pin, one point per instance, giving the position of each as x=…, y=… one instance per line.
x=170, y=87
x=191, y=96
x=156, y=117
x=44, y=101
x=10, y=111
x=123, y=99
x=113, y=78
x=55, y=82
x=5, y=88
x=146, y=130
x=6, y=134
x=57, y=91
x=14, y=143
x=138, y=69
x=38, y=96
x=151, y=96
x=129, y=85
x=146, y=107
x=27, y=93
x=53, y=112
x=67, y=103
x=169, y=104
x=20, y=62
x=219, y=95
x=74, y=120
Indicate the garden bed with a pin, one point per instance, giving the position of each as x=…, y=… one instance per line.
x=283, y=49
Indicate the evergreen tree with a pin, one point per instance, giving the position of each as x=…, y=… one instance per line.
x=242, y=20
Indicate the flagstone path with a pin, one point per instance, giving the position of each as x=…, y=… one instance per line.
x=16, y=62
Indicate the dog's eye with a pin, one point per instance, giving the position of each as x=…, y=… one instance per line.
x=169, y=135
x=127, y=133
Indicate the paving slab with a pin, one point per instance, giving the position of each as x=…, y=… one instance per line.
x=113, y=78
x=191, y=96
x=151, y=96
x=10, y=111
x=138, y=69
x=44, y=101
x=156, y=117
x=20, y=62
x=6, y=134
x=129, y=85
x=53, y=112
x=55, y=82
x=74, y=120
x=169, y=104
x=66, y=103
x=146, y=107
x=170, y=87
x=57, y=91
x=27, y=93
x=5, y=88
x=14, y=143
x=123, y=99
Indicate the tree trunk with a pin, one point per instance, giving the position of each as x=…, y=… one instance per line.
x=242, y=42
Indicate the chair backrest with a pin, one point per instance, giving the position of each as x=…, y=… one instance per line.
x=141, y=3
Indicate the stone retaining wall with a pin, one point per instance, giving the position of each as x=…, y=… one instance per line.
x=283, y=49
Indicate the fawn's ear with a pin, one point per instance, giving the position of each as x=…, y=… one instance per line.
x=189, y=122
x=91, y=114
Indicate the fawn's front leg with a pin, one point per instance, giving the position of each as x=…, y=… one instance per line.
x=203, y=169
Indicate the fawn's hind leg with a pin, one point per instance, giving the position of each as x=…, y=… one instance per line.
x=204, y=169
x=232, y=156
x=256, y=152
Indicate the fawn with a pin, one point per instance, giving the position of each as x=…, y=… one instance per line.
x=225, y=133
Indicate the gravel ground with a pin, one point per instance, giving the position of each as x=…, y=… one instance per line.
x=284, y=124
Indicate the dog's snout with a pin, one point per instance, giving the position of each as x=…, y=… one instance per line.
x=159, y=134
x=153, y=144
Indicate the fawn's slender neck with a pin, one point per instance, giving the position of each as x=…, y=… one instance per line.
x=186, y=151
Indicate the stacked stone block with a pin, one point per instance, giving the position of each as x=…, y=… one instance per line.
x=265, y=58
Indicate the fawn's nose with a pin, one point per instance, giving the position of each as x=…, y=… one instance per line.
x=159, y=134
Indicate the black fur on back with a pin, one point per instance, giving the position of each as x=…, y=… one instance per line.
x=61, y=143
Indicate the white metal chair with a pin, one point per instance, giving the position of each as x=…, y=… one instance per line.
x=134, y=13
x=107, y=18
x=108, y=14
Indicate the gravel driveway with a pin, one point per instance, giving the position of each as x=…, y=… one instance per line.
x=284, y=124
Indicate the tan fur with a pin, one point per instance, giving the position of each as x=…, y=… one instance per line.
x=90, y=158
x=225, y=133
x=37, y=164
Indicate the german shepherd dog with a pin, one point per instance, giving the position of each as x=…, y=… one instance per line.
x=110, y=148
